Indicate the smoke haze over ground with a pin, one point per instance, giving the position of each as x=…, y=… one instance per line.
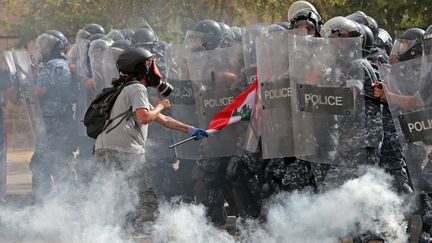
x=97, y=215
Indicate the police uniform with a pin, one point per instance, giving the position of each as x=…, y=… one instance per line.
x=53, y=149
x=372, y=136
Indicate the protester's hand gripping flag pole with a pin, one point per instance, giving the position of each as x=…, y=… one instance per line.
x=239, y=109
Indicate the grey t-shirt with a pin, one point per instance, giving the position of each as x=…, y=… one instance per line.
x=130, y=135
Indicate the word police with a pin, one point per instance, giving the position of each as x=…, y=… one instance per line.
x=277, y=93
x=323, y=100
x=217, y=102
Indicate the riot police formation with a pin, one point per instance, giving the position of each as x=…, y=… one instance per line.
x=332, y=98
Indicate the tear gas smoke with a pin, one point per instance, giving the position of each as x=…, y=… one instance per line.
x=365, y=204
x=94, y=214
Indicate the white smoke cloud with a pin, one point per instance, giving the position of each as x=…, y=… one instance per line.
x=360, y=205
x=94, y=214
x=185, y=223
x=365, y=204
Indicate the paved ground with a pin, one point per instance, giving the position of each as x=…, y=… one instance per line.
x=18, y=172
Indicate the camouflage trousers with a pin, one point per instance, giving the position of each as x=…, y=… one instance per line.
x=211, y=188
x=289, y=174
x=136, y=174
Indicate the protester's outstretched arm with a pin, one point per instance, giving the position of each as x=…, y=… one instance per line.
x=172, y=123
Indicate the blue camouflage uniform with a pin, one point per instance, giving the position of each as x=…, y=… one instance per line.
x=392, y=157
x=425, y=94
x=369, y=139
x=53, y=150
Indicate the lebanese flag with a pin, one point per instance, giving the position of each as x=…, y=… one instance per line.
x=239, y=109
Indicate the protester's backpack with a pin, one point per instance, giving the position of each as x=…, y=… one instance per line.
x=97, y=117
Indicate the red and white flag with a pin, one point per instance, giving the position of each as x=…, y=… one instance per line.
x=239, y=109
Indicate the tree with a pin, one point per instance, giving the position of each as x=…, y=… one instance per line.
x=171, y=19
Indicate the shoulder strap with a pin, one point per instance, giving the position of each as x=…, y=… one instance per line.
x=124, y=114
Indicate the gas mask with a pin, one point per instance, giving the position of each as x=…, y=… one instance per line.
x=154, y=79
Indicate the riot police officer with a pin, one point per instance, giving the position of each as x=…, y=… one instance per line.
x=53, y=150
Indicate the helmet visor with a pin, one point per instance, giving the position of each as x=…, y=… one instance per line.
x=82, y=35
x=306, y=25
x=401, y=46
x=383, y=37
x=45, y=43
x=194, y=39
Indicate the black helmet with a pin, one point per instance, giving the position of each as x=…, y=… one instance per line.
x=134, y=61
x=140, y=63
x=208, y=31
x=309, y=17
x=367, y=39
x=99, y=45
x=373, y=26
x=208, y=26
x=428, y=32
x=362, y=18
x=118, y=47
x=123, y=44
x=59, y=35
x=409, y=45
x=224, y=27
x=116, y=35
x=384, y=41
x=94, y=29
x=128, y=33
x=340, y=27
x=144, y=36
x=99, y=37
x=49, y=47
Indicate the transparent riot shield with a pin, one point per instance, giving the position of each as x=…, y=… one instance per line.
x=3, y=159
x=110, y=70
x=275, y=94
x=328, y=106
x=249, y=39
x=182, y=98
x=409, y=90
x=83, y=74
x=96, y=54
x=24, y=75
x=216, y=80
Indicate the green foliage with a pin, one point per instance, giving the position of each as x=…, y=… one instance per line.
x=172, y=18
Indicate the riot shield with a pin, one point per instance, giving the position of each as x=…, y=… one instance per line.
x=3, y=157
x=26, y=83
x=408, y=95
x=216, y=80
x=328, y=107
x=96, y=54
x=249, y=39
x=110, y=70
x=275, y=93
x=10, y=63
x=182, y=98
x=83, y=73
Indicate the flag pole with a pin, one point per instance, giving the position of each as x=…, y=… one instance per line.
x=182, y=142
x=210, y=133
